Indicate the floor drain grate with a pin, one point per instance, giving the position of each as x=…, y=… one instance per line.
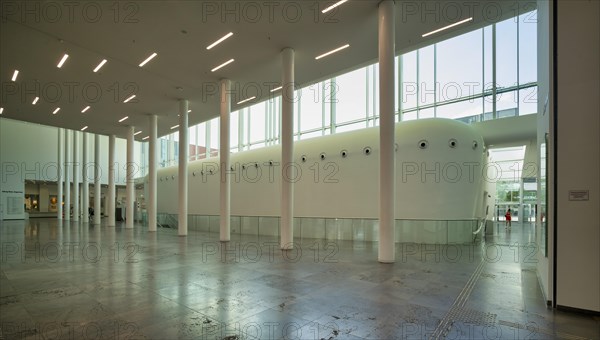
x=474, y=317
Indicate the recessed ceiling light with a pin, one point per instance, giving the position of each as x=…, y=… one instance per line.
x=333, y=6
x=14, y=77
x=123, y=119
x=62, y=61
x=145, y=137
x=137, y=133
x=35, y=100
x=220, y=40
x=84, y=128
x=148, y=59
x=277, y=89
x=223, y=65
x=333, y=51
x=100, y=65
x=174, y=127
x=56, y=110
x=130, y=98
x=1, y=110
x=247, y=100
x=447, y=27
x=86, y=108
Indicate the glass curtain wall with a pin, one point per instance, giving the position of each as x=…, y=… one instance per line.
x=459, y=78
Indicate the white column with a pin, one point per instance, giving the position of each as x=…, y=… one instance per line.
x=97, y=175
x=387, y=161
x=225, y=202
x=151, y=205
x=67, y=208
x=110, y=199
x=76, y=174
x=60, y=174
x=85, y=183
x=287, y=149
x=183, y=167
x=130, y=185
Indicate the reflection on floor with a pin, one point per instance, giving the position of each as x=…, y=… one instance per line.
x=72, y=281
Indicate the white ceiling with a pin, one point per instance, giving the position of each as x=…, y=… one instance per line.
x=35, y=35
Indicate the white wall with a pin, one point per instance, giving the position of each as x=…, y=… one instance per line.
x=578, y=150
x=348, y=187
x=32, y=149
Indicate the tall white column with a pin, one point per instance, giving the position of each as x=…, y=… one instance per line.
x=287, y=149
x=110, y=199
x=97, y=175
x=85, y=182
x=130, y=185
x=76, y=174
x=67, y=169
x=151, y=205
x=183, y=167
x=387, y=126
x=224, y=154
x=60, y=174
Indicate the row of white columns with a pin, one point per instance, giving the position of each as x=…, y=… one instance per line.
x=386, y=160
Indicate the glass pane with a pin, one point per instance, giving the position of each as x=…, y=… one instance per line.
x=488, y=80
x=192, y=142
x=311, y=105
x=426, y=113
x=528, y=47
x=310, y=135
x=202, y=140
x=528, y=101
x=408, y=88
x=426, y=75
x=506, y=53
x=459, y=66
x=214, y=136
x=468, y=111
x=351, y=100
x=350, y=127
x=409, y=116
x=234, y=134
x=506, y=104
x=257, y=122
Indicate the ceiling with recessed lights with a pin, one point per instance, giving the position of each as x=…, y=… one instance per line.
x=136, y=58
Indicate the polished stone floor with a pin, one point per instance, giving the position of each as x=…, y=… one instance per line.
x=75, y=281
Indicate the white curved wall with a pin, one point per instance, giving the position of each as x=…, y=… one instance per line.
x=435, y=183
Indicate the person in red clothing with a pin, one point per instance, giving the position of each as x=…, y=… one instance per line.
x=508, y=217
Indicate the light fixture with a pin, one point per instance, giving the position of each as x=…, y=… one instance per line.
x=56, y=110
x=86, y=108
x=220, y=40
x=333, y=6
x=333, y=51
x=148, y=59
x=277, y=89
x=84, y=128
x=189, y=111
x=35, y=100
x=123, y=119
x=14, y=77
x=100, y=65
x=223, y=65
x=130, y=98
x=447, y=27
x=145, y=137
x=247, y=100
x=1, y=110
x=137, y=133
x=174, y=127
x=62, y=61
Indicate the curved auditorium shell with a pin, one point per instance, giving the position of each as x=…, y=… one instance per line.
x=439, y=185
